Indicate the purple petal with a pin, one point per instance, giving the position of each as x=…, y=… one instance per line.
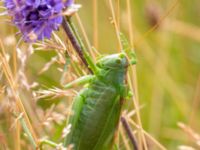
x=30, y=16
x=69, y=2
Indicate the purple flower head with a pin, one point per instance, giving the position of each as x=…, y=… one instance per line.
x=69, y=2
x=36, y=19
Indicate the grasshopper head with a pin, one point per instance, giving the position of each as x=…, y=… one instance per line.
x=114, y=61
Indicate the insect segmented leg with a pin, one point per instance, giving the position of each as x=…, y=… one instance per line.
x=127, y=48
x=79, y=81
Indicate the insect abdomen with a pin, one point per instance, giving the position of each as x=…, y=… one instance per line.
x=98, y=118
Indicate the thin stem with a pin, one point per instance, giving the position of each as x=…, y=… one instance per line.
x=90, y=62
x=47, y=142
x=133, y=81
x=18, y=139
x=95, y=23
x=146, y=134
x=89, y=46
x=26, y=129
x=115, y=24
x=74, y=42
x=128, y=131
x=9, y=77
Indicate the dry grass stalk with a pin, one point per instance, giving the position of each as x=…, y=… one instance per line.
x=195, y=137
x=54, y=93
x=132, y=83
x=184, y=147
x=12, y=84
x=95, y=23
x=89, y=46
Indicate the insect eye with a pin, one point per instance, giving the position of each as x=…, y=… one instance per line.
x=118, y=61
x=101, y=65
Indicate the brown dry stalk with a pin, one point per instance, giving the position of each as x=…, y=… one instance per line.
x=133, y=83
x=8, y=74
x=133, y=71
x=89, y=46
x=124, y=139
x=147, y=135
x=74, y=42
x=129, y=133
x=115, y=24
x=192, y=135
x=95, y=23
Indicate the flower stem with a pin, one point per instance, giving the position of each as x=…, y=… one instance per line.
x=76, y=42
x=27, y=131
x=48, y=142
x=128, y=130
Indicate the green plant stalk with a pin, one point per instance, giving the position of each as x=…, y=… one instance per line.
x=85, y=52
x=48, y=142
x=28, y=133
x=75, y=41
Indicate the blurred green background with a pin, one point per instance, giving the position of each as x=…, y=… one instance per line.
x=168, y=68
